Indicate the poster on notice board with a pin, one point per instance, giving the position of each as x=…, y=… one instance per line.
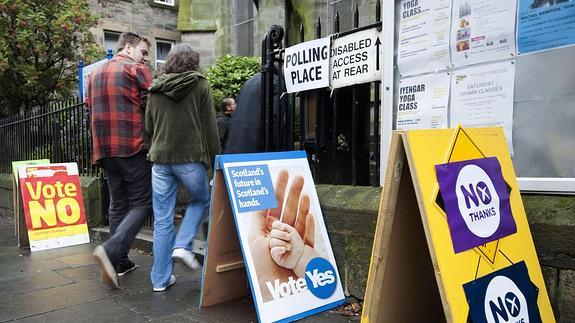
x=482, y=31
x=423, y=44
x=422, y=102
x=543, y=25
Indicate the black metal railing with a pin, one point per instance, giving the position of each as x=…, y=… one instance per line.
x=59, y=132
x=338, y=128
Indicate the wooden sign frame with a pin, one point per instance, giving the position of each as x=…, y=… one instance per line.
x=224, y=275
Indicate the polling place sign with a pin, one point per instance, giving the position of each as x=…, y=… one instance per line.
x=287, y=254
x=356, y=58
x=53, y=205
x=307, y=65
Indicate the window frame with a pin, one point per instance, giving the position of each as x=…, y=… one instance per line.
x=171, y=3
x=114, y=32
x=158, y=41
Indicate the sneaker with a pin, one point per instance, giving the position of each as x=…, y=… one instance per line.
x=125, y=267
x=107, y=271
x=170, y=283
x=186, y=257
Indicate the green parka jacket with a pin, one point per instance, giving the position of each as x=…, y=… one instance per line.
x=181, y=120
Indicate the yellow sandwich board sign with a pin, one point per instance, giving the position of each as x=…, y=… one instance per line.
x=452, y=240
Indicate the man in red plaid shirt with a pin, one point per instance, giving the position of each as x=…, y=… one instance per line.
x=117, y=95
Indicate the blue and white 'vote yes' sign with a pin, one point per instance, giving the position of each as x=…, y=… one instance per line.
x=284, y=241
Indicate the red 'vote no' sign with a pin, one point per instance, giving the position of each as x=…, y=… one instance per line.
x=51, y=202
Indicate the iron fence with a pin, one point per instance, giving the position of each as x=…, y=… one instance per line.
x=59, y=132
x=339, y=128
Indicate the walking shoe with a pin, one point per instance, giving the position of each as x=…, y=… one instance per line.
x=170, y=283
x=125, y=267
x=186, y=257
x=107, y=271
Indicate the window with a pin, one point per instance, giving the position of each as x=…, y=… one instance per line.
x=111, y=39
x=162, y=49
x=242, y=28
x=166, y=2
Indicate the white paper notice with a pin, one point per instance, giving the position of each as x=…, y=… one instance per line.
x=483, y=97
x=307, y=65
x=482, y=30
x=423, y=36
x=422, y=102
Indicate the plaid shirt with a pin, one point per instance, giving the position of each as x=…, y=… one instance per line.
x=117, y=95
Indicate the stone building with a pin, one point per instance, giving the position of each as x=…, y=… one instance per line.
x=219, y=27
x=237, y=27
x=155, y=19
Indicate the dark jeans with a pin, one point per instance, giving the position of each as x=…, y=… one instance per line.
x=130, y=184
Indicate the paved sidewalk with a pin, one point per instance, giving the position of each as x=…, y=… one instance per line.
x=62, y=285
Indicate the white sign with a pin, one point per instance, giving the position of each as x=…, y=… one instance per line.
x=482, y=30
x=483, y=97
x=423, y=36
x=356, y=58
x=288, y=256
x=422, y=102
x=86, y=71
x=307, y=65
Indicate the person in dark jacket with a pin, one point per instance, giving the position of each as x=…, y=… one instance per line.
x=223, y=117
x=181, y=125
x=243, y=134
x=244, y=131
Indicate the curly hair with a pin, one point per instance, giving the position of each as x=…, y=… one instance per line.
x=181, y=58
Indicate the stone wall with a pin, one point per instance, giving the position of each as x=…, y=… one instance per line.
x=350, y=215
x=552, y=223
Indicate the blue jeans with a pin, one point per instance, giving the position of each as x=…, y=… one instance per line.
x=165, y=179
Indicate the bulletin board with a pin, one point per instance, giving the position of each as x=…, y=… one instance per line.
x=542, y=105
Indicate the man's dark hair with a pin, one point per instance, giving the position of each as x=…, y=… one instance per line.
x=181, y=58
x=132, y=39
x=226, y=102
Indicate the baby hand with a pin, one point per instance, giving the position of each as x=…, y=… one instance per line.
x=286, y=245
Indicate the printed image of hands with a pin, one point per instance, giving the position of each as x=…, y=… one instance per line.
x=282, y=239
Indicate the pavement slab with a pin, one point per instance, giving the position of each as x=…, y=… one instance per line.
x=28, y=282
x=63, y=285
x=84, y=313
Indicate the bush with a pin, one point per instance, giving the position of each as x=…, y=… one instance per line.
x=228, y=75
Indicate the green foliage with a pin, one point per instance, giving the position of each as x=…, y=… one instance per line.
x=41, y=44
x=228, y=75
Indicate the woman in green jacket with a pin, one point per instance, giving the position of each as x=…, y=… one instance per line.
x=181, y=126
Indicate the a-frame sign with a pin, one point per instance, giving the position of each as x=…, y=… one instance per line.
x=267, y=236
x=224, y=276
x=452, y=241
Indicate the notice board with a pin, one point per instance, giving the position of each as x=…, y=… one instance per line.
x=452, y=240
